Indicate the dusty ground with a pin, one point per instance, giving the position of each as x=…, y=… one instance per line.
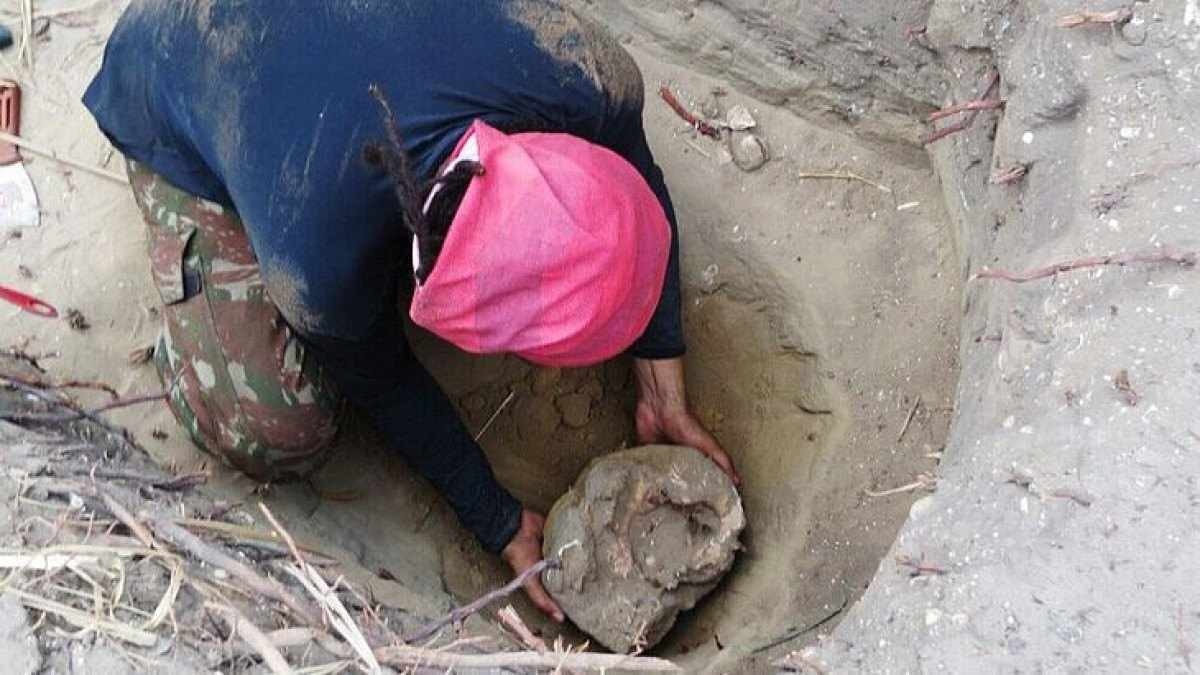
x=821, y=314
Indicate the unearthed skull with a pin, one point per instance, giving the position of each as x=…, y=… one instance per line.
x=656, y=528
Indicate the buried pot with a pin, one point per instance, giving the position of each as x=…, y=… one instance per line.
x=644, y=534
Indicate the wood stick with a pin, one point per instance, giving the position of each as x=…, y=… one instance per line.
x=291, y=543
x=843, y=175
x=509, y=617
x=85, y=620
x=122, y=514
x=488, y=425
x=1116, y=16
x=254, y=637
x=257, y=583
x=967, y=106
x=53, y=156
x=399, y=656
x=1009, y=176
x=169, y=484
x=69, y=384
x=462, y=613
x=908, y=420
x=686, y=115
x=1183, y=259
x=79, y=414
x=247, y=533
x=992, y=88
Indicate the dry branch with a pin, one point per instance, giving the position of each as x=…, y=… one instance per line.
x=462, y=613
x=122, y=514
x=1183, y=259
x=509, y=617
x=1114, y=17
x=912, y=413
x=843, y=175
x=254, y=637
x=243, y=535
x=402, y=657
x=1009, y=176
x=253, y=580
x=967, y=106
x=85, y=620
x=51, y=155
x=993, y=87
x=686, y=115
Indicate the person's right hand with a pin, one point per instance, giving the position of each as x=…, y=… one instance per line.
x=525, y=551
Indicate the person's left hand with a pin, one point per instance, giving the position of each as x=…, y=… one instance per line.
x=663, y=415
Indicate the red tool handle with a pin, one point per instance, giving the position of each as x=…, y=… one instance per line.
x=10, y=120
x=28, y=303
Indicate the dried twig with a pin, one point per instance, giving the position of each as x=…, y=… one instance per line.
x=401, y=656
x=1182, y=259
x=53, y=156
x=800, y=632
x=255, y=582
x=843, y=175
x=908, y=420
x=966, y=106
x=1114, y=17
x=460, y=614
x=335, y=611
x=989, y=92
x=1009, y=176
x=509, y=617
x=242, y=627
x=923, y=482
x=243, y=535
x=491, y=420
x=122, y=514
x=69, y=384
x=178, y=483
x=85, y=620
x=686, y=115
x=919, y=567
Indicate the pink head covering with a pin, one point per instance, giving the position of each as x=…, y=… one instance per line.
x=557, y=253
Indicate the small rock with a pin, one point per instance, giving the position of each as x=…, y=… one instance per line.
x=576, y=409
x=739, y=118
x=749, y=151
x=644, y=534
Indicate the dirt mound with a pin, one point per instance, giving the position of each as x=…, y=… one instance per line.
x=644, y=534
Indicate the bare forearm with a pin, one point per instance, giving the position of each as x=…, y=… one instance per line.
x=660, y=383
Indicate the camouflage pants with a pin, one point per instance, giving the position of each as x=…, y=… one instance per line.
x=238, y=377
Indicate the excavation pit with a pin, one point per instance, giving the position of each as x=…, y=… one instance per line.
x=821, y=318
x=822, y=302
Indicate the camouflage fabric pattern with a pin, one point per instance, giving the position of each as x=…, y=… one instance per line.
x=239, y=379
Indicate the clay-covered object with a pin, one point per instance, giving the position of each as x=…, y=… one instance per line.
x=657, y=527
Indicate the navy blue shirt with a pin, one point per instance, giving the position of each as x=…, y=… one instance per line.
x=263, y=105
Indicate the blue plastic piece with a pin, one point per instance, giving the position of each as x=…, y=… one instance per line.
x=6, y=38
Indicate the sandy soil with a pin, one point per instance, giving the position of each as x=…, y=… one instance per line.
x=821, y=314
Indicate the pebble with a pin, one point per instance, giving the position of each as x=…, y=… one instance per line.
x=749, y=151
